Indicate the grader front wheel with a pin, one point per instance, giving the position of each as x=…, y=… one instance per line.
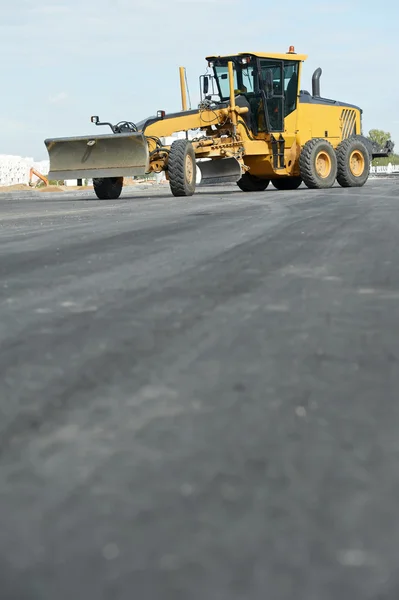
x=108, y=188
x=182, y=169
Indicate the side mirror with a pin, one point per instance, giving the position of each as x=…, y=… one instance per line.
x=205, y=87
x=94, y=120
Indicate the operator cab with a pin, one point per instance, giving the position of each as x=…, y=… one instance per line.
x=266, y=84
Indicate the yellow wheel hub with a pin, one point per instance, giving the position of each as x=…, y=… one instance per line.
x=323, y=164
x=189, y=168
x=356, y=163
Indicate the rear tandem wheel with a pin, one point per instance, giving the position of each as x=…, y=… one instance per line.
x=353, y=163
x=318, y=164
x=251, y=183
x=287, y=183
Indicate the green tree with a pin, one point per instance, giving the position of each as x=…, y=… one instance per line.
x=383, y=162
x=379, y=136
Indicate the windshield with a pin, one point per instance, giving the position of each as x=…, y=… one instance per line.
x=243, y=79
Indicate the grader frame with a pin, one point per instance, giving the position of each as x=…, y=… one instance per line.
x=262, y=128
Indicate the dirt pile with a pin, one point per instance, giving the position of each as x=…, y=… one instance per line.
x=17, y=187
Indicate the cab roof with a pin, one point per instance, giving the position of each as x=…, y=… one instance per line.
x=273, y=55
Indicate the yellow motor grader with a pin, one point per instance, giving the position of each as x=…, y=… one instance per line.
x=253, y=125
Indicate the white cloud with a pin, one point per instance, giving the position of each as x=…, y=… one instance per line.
x=51, y=9
x=59, y=98
x=8, y=126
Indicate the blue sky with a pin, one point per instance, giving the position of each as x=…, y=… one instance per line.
x=64, y=60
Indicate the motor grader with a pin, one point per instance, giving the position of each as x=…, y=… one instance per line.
x=254, y=124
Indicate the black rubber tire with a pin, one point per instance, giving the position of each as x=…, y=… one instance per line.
x=307, y=164
x=180, y=152
x=108, y=188
x=287, y=183
x=251, y=183
x=345, y=177
x=367, y=142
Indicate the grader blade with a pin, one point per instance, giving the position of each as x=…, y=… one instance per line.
x=220, y=170
x=112, y=155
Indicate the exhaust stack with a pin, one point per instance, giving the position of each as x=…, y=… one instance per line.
x=316, y=83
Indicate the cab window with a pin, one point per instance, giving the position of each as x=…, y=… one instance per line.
x=290, y=86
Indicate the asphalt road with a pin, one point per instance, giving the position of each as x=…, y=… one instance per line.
x=200, y=397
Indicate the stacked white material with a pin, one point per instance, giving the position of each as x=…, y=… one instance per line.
x=386, y=169
x=15, y=169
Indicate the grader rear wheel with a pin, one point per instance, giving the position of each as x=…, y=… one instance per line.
x=353, y=163
x=251, y=183
x=182, y=168
x=287, y=183
x=318, y=164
